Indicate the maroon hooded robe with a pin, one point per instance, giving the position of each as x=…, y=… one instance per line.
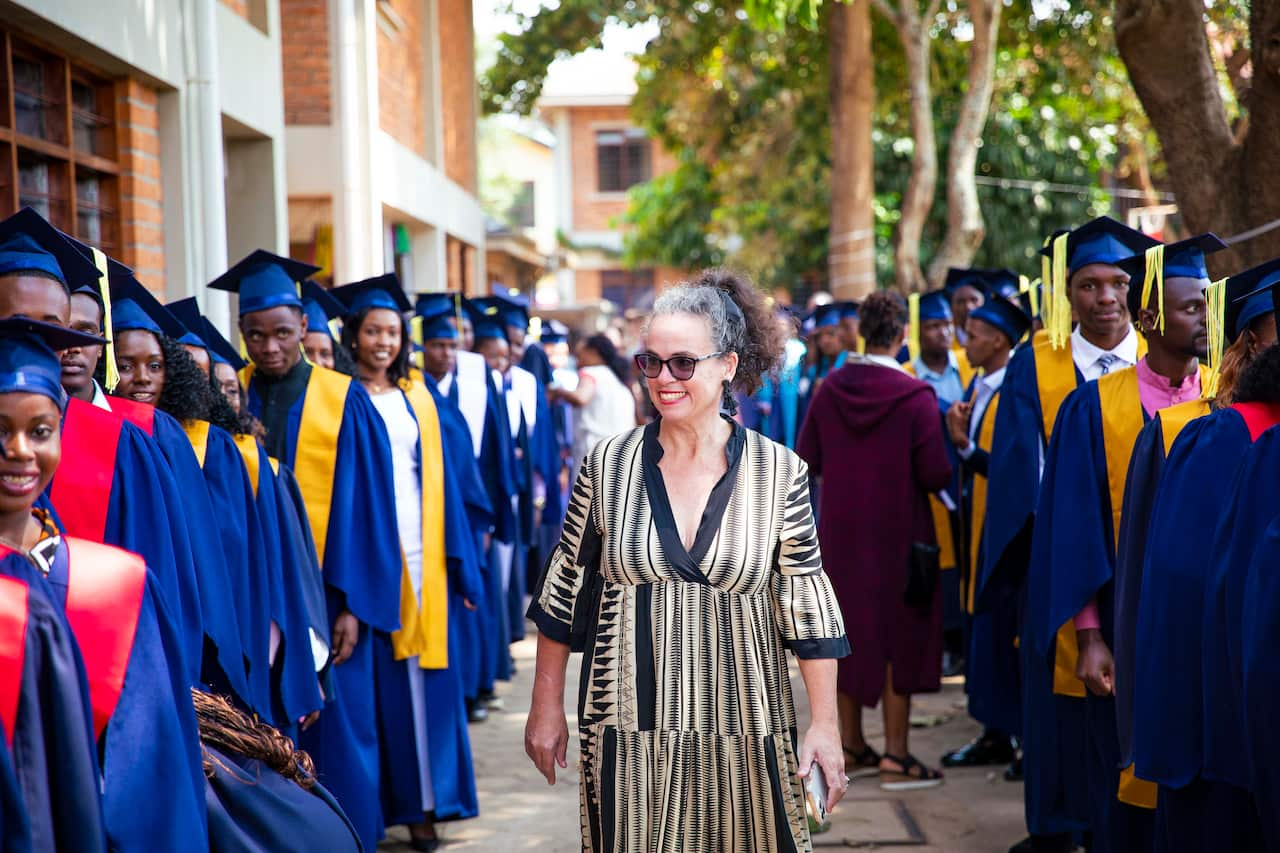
x=872, y=433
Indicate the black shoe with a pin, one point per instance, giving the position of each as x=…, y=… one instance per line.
x=1013, y=773
x=952, y=665
x=986, y=750
x=477, y=714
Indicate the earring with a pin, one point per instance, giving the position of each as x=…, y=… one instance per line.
x=727, y=401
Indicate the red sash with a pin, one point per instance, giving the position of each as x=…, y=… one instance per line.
x=104, y=598
x=81, y=490
x=1258, y=417
x=141, y=415
x=13, y=647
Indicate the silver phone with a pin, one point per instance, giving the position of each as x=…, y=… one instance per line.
x=815, y=800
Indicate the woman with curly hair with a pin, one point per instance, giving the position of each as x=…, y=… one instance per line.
x=872, y=419
x=688, y=566
x=234, y=569
x=262, y=791
x=419, y=684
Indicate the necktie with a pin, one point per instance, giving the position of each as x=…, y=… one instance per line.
x=1107, y=361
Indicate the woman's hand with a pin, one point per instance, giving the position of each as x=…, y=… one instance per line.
x=546, y=736
x=822, y=744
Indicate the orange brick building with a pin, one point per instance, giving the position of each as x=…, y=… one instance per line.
x=166, y=152
x=599, y=155
x=380, y=111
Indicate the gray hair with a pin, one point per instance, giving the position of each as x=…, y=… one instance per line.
x=724, y=318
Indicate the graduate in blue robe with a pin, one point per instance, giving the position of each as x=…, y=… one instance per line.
x=1038, y=377
x=15, y=825
x=324, y=426
x=1165, y=689
x=141, y=713
x=1074, y=545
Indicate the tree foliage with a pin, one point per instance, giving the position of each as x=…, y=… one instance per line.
x=738, y=91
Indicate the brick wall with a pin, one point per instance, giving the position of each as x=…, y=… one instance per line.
x=141, y=199
x=240, y=7
x=458, y=91
x=304, y=47
x=402, y=83
x=592, y=211
x=586, y=285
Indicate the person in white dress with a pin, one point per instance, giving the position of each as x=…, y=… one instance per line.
x=603, y=404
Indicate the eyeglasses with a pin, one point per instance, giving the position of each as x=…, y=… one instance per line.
x=680, y=366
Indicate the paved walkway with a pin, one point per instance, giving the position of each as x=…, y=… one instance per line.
x=976, y=810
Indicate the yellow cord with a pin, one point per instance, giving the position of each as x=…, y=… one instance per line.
x=913, y=326
x=1215, y=297
x=1059, y=323
x=1154, y=276
x=104, y=290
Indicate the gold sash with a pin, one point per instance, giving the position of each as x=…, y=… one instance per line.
x=1174, y=418
x=978, y=498
x=198, y=435
x=424, y=620
x=248, y=447
x=322, y=410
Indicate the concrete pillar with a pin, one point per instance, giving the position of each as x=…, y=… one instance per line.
x=357, y=216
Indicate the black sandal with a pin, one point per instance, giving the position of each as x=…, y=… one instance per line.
x=860, y=765
x=905, y=779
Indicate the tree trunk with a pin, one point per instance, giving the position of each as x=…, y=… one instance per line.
x=851, y=257
x=1221, y=184
x=917, y=201
x=965, y=225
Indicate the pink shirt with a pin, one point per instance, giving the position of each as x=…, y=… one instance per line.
x=1156, y=393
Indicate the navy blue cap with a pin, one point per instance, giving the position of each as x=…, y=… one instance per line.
x=428, y=304
x=1250, y=294
x=133, y=307
x=1102, y=241
x=1004, y=314
x=958, y=278
x=220, y=349
x=29, y=243
x=513, y=306
x=29, y=360
x=935, y=305
x=1183, y=259
x=187, y=312
x=320, y=306
x=486, y=319
x=1003, y=283
x=825, y=316
x=381, y=291
x=554, y=332
x=439, y=326
x=265, y=280
x=847, y=310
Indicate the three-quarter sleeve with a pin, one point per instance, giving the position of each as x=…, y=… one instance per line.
x=805, y=606
x=556, y=598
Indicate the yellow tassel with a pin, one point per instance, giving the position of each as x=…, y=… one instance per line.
x=1059, y=324
x=104, y=290
x=415, y=330
x=1024, y=284
x=913, y=326
x=1154, y=276
x=1215, y=297
x=1046, y=276
x=1034, y=290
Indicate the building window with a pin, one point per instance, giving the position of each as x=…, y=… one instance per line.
x=628, y=288
x=622, y=159
x=58, y=143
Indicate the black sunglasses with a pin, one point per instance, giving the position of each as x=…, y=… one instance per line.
x=680, y=366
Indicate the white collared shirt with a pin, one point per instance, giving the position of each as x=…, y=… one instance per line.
x=100, y=397
x=1086, y=355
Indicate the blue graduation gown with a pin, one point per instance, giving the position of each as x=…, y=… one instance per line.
x=49, y=793
x=1260, y=691
x=218, y=576
x=252, y=807
x=1072, y=561
x=150, y=736
x=252, y=558
x=1245, y=516
x=361, y=567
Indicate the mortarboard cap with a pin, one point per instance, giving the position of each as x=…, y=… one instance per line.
x=29, y=243
x=486, y=319
x=1102, y=241
x=1184, y=259
x=961, y=277
x=825, y=316
x=427, y=304
x=29, y=360
x=438, y=326
x=220, y=349
x=554, y=332
x=265, y=280
x=133, y=307
x=1002, y=283
x=382, y=291
x=1251, y=294
x=187, y=312
x=320, y=307
x=1006, y=315
x=935, y=305
x=512, y=305
x=846, y=310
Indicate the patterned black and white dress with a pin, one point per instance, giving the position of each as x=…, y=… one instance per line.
x=686, y=717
